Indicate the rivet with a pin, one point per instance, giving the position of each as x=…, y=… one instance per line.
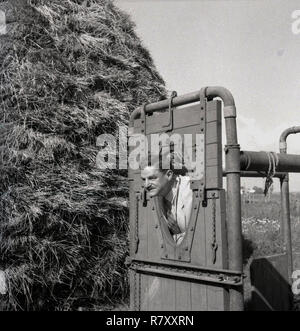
x=192, y=229
x=153, y=208
x=179, y=257
x=186, y=248
x=161, y=246
x=166, y=255
x=156, y=226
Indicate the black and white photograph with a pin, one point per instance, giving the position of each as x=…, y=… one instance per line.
x=149, y=158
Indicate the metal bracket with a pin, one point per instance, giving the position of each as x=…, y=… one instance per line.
x=169, y=126
x=144, y=197
x=203, y=107
x=143, y=120
x=187, y=272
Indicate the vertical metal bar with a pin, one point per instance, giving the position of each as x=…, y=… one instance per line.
x=285, y=203
x=234, y=224
x=286, y=223
x=233, y=215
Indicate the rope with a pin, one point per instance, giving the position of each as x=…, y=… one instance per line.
x=273, y=163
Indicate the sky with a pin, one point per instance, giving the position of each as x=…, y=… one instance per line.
x=251, y=47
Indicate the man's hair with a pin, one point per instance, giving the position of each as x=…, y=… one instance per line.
x=164, y=160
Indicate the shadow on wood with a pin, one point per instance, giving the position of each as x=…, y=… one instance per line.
x=271, y=289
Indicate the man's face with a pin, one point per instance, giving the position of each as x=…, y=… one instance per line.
x=156, y=182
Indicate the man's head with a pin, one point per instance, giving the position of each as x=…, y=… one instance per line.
x=159, y=172
x=157, y=182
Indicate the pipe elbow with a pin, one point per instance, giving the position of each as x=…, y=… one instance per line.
x=221, y=92
x=288, y=131
x=133, y=116
x=227, y=98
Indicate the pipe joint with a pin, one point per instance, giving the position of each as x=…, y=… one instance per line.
x=229, y=111
x=227, y=148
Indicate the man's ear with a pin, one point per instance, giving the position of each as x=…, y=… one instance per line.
x=169, y=173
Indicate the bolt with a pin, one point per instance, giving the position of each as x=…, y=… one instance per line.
x=186, y=248
x=166, y=255
x=179, y=257
x=192, y=229
x=156, y=226
x=161, y=246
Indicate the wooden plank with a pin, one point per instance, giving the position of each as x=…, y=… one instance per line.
x=183, y=295
x=222, y=235
x=154, y=293
x=142, y=232
x=153, y=230
x=215, y=298
x=198, y=297
x=168, y=293
x=198, y=257
x=215, y=295
x=132, y=287
x=144, y=290
x=198, y=252
x=183, y=117
x=214, y=173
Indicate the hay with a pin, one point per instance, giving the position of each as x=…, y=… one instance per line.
x=70, y=71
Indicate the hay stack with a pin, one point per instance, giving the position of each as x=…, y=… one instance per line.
x=70, y=71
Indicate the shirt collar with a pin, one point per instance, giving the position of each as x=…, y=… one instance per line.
x=171, y=196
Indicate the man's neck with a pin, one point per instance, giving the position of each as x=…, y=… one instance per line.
x=172, y=191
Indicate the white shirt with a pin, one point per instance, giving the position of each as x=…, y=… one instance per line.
x=180, y=198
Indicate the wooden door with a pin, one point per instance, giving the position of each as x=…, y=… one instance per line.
x=163, y=275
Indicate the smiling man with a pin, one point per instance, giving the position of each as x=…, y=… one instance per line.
x=172, y=187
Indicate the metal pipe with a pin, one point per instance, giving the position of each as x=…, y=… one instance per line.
x=284, y=135
x=286, y=223
x=260, y=161
x=233, y=213
x=285, y=201
x=211, y=92
x=255, y=174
